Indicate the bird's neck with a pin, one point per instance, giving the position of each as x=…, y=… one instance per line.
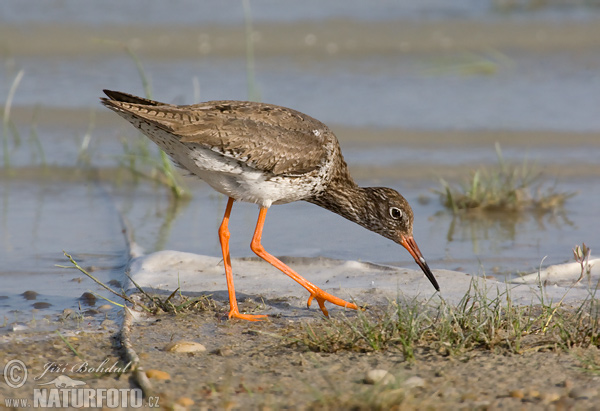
x=345, y=198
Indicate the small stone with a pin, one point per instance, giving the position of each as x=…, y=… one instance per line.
x=105, y=307
x=158, y=375
x=533, y=393
x=382, y=377
x=40, y=305
x=548, y=397
x=583, y=392
x=185, y=402
x=67, y=312
x=516, y=393
x=30, y=295
x=414, y=382
x=88, y=299
x=224, y=352
x=19, y=326
x=184, y=346
x=115, y=283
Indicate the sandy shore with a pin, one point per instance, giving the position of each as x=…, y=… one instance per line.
x=267, y=365
x=256, y=366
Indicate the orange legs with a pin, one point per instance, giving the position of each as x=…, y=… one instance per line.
x=224, y=238
x=315, y=292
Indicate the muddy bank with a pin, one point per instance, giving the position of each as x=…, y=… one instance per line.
x=324, y=38
x=258, y=366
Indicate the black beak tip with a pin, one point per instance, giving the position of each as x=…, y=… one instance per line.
x=429, y=274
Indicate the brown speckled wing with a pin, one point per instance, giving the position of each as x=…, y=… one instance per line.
x=263, y=136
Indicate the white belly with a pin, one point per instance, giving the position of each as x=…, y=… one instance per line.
x=239, y=181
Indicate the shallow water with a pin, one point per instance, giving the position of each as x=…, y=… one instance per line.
x=528, y=91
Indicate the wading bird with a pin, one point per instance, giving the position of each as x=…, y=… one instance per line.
x=267, y=154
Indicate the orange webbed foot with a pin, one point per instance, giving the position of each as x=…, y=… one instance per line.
x=247, y=317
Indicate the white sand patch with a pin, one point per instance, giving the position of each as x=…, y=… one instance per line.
x=363, y=282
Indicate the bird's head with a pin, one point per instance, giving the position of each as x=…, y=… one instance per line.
x=391, y=216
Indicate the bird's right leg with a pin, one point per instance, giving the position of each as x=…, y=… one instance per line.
x=315, y=292
x=224, y=238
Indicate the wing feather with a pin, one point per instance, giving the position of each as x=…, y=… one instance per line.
x=264, y=136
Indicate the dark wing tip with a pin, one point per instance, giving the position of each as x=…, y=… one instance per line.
x=109, y=93
x=129, y=98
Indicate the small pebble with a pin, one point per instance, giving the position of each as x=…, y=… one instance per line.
x=379, y=377
x=88, y=299
x=583, y=392
x=67, y=312
x=115, y=283
x=158, y=375
x=184, y=346
x=19, y=326
x=548, y=397
x=516, y=394
x=185, y=401
x=224, y=352
x=40, y=305
x=414, y=382
x=105, y=307
x=30, y=295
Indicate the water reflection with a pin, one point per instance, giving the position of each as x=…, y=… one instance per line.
x=491, y=231
x=174, y=207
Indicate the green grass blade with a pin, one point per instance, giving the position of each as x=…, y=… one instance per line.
x=6, y=123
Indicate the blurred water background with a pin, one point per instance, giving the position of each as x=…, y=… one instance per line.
x=415, y=91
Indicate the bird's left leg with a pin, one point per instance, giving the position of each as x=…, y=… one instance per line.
x=224, y=238
x=315, y=292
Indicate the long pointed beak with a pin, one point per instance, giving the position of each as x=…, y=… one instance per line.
x=412, y=247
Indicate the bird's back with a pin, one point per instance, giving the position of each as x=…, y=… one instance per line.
x=263, y=136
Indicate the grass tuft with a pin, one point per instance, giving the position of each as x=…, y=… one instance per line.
x=504, y=187
x=161, y=168
x=175, y=303
x=484, y=319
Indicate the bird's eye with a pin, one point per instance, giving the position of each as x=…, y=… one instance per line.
x=396, y=213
